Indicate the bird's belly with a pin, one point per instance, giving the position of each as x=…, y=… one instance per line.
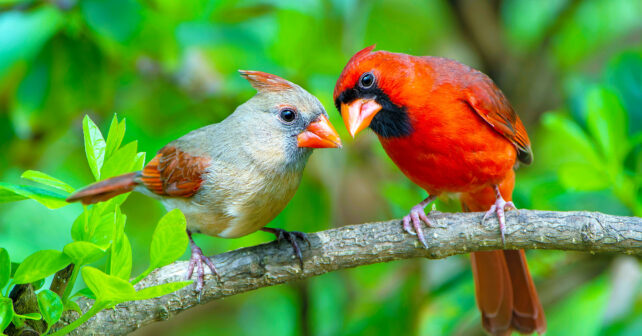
x=459, y=165
x=232, y=210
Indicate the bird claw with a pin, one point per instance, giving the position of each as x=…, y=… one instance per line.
x=196, y=262
x=291, y=237
x=415, y=217
x=499, y=208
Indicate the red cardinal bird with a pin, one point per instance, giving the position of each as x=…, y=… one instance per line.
x=450, y=130
x=232, y=178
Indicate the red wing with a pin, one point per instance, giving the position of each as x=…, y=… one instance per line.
x=490, y=103
x=174, y=173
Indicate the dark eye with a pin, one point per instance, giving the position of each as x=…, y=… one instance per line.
x=367, y=79
x=287, y=115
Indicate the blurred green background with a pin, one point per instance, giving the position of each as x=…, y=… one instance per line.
x=572, y=69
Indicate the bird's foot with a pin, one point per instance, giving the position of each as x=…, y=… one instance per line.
x=291, y=237
x=196, y=263
x=415, y=217
x=499, y=208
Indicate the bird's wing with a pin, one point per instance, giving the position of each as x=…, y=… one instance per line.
x=483, y=97
x=173, y=172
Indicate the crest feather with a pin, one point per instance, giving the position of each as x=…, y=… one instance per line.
x=265, y=82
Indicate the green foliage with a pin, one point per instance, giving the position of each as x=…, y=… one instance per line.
x=169, y=241
x=170, y=67
x=94, y=146
x=580, y=313
x=40, y=265
x=597, y=147
x=99, y=231
x=51, y=307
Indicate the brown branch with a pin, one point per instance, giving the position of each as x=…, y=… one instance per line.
x=356, y=245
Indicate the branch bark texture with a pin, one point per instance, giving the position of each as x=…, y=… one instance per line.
x=271, y=264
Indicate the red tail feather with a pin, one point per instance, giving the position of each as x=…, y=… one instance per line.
x=105, y=190
x=505, y=291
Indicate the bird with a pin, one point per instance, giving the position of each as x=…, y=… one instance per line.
x=232, y=178
x=451, y=131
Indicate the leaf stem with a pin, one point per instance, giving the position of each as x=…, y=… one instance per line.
x=142, y=276
x=71, y=283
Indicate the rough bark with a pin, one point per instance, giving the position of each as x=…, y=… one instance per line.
x=352, y=246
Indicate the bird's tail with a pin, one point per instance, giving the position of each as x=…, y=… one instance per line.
x=105, y=190
x=505, y=291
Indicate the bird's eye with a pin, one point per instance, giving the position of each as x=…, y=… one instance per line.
x=367, y=79
x=287, y=115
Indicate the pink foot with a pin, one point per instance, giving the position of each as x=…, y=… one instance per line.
x=196, y=261
x=499, y=208
x=416, y=216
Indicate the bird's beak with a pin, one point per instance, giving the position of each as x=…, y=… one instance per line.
x=319, y=134
x=358, y=114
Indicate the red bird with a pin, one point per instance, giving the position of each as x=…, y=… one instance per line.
x=450, y=130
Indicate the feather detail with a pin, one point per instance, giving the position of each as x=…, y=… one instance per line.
x=265, y=82
x=104, y=190
x=175, y=173
x=483, y=97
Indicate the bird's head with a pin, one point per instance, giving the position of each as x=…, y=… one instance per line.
x=284, y=114
x=367, y=93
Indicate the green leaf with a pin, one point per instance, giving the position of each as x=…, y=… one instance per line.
x=5, y=268
x=107, y=288
x=576, y=314
x=6, y=312
x=82, y=252
x=115, y=136
x=23, y=33
x=169, y=240
x=38, y=284
x=40, y=265
x=121, y=161
x=12, y=193
x=86, y=292
x=607, y=121
x=50, y=305
x=121, y=250
x=583, y=177
x=96, y=225
x=139, y=163
x=72, y=305
x=94, y=146
x=29, y=316
x=573, y=137
x=99, y=16
x=160, y=290
x=45, y=179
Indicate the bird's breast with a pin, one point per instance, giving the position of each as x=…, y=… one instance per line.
x=452, y=151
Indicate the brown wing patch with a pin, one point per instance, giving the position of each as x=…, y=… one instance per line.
x=173, y=172
x=490, y=104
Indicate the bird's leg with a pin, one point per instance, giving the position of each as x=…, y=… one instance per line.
x=499, y=207
x=196, y=261
x=416, y=216
x=291, y=237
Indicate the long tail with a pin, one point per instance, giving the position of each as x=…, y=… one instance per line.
x=505, y=291
x=104, y=190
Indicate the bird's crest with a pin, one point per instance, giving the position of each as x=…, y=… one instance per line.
x=265, y=82
x=362, y=53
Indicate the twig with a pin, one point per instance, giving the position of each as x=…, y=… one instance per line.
x=356, y=245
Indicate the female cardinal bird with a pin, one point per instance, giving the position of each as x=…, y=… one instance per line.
x=230, y=179
x=450, y=130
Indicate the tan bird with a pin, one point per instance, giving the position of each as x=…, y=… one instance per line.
x=232, y=178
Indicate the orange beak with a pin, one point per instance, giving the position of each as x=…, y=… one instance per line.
x=358, y=114
x=319, y=134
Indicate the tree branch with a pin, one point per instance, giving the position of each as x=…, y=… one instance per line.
x=356, y=245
